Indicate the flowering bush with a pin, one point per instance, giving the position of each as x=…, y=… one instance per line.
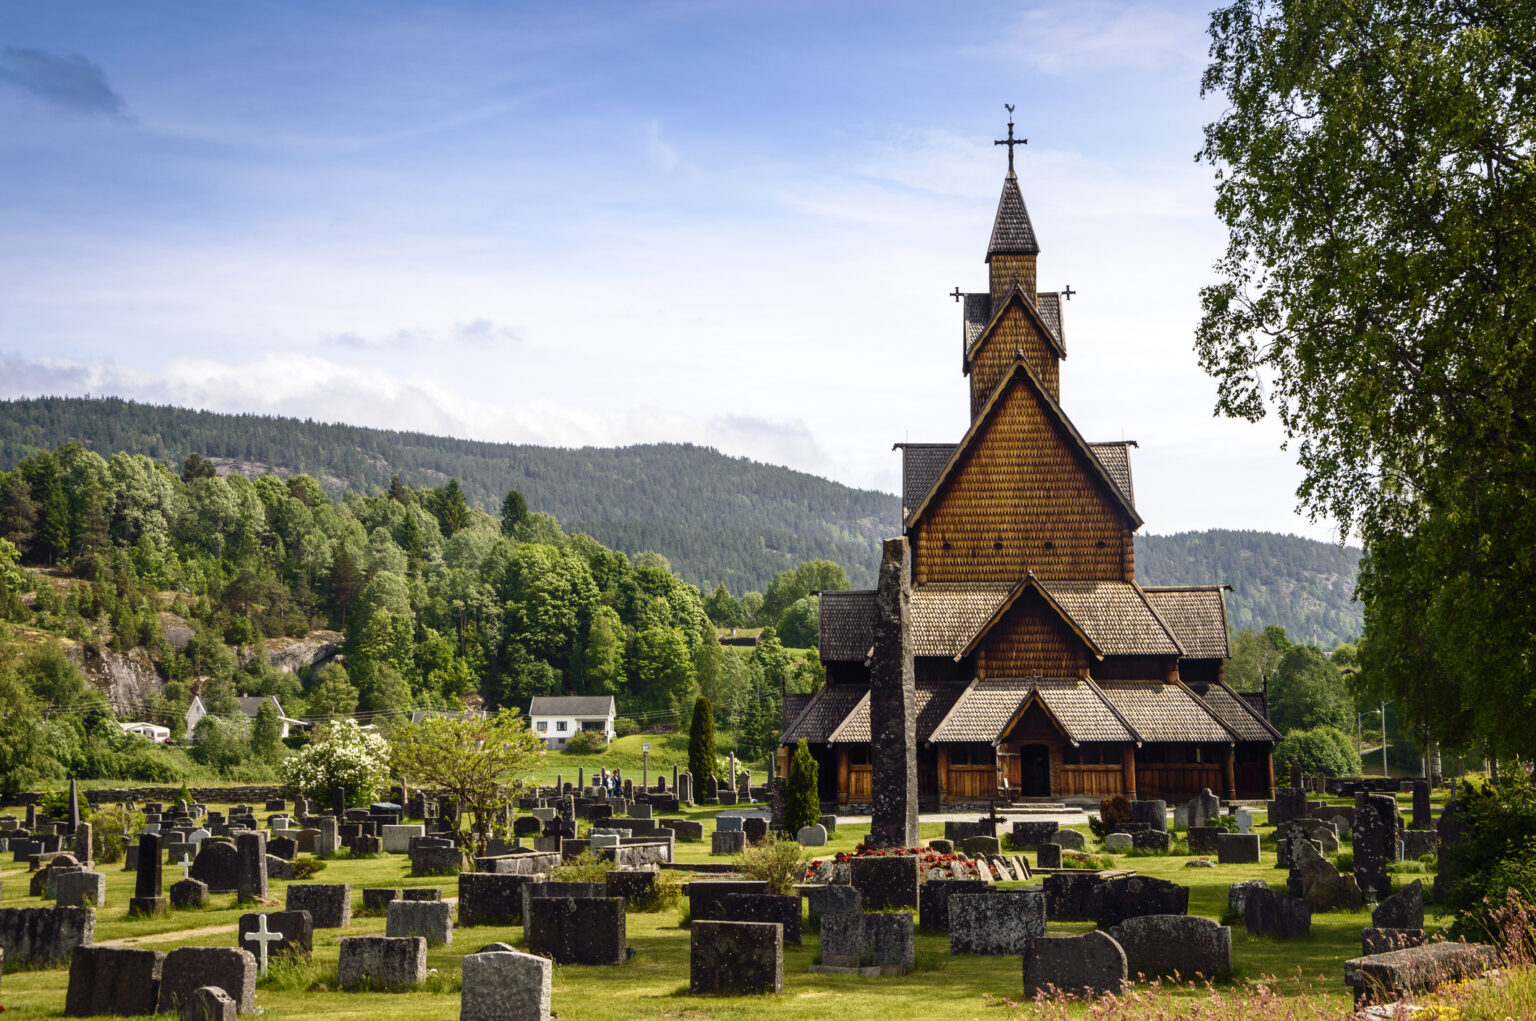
x=342, y=754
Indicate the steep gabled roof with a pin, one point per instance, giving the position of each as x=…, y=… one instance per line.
x=1048, y=303
x=1012, y=233
x=1116, y=617
x=1023, y=374
x=1116, y=458
x=826, y=712
x=1015, y=293
x=934, y=700
x=976, y=315
x=990, y=706
x=945, y=615
x=920, y=465
x=571, y=705
x=1198, y=616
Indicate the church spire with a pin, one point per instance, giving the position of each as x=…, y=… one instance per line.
x=1012, y=250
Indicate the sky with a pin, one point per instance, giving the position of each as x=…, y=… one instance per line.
x=722, y=223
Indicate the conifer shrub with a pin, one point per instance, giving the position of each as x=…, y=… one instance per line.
x=802, y=805
x=701, y=743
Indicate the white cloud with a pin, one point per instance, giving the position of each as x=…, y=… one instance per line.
x=1095, y=36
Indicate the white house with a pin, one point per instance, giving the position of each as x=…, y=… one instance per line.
x=251, y=705
x=151, y=731
x=556, y=717
x=195, y=712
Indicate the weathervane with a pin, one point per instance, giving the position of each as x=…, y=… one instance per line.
x=1010, y=141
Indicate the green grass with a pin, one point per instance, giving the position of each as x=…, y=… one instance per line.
x=667, y=750
x=654, y=983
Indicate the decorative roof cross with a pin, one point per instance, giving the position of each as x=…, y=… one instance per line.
x=261, y=937
x=1069, y=292
x=956, y=294
x=1010, y=141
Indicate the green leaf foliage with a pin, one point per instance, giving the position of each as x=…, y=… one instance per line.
x=1321, y=751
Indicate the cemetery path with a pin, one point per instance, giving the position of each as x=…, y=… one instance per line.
x=166, y=937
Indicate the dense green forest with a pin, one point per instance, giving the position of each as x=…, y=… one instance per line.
x=717, y=518
x=1299, y=584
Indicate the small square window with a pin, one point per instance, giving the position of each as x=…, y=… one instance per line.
x=560, y=726
x=544, y=725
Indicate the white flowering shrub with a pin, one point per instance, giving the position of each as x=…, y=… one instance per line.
x=342, y=754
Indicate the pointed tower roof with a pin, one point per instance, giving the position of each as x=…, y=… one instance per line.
x=1012, y=233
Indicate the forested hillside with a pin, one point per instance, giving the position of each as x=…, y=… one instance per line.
x=716, y=518
x=1300, y=584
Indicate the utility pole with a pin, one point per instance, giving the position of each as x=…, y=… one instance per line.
x=1384, y=772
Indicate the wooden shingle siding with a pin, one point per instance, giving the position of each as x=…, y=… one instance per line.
x=1021, y=484
x=1014, y=333
x=1031, y=639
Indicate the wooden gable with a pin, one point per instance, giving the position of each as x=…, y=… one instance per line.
x=1032, y=639
x=1022, y=493
x=1016, y=329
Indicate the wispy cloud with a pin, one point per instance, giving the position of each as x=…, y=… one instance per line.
x=476, y=333
x=663, y=153
x=1099, y=35
x=70, y=82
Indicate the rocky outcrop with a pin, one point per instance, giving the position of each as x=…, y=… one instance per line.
x=295, y=655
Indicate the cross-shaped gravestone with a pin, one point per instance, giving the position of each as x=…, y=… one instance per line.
x=261, y=937
x=186, y=866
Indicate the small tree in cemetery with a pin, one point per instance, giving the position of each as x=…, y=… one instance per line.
x=802, y=806
x=701, y=742
x=482, y=763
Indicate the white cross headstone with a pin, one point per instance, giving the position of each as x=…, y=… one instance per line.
x=186, y=866
x=261, y=937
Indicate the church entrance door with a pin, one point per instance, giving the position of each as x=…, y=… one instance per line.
x=1035, y=771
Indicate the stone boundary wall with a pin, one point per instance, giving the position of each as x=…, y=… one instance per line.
x=248, y=793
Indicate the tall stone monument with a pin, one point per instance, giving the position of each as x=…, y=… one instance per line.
x=147, y=896
x=893, y=705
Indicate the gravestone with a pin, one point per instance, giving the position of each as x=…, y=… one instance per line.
x=1048, y=856
x=823, y=900
x=329, y=904
x=1421, y=812
x=1117, y=843
x=1375, y=841
x=812, y=836
x=435, y=861
x=147, y=898
x=251, y=866
x=1401, y=974
x=766, y=907
x=1203, y=839
x=430, y=919
x=706, y=898
x=189, y=895
x=1237, y=895
x=1450, y=831
x=886, y=882
x=727, y=842
x=1152, y=840
x=1290, y=803
x=422, y=893
x=735, y=958
x=1028, y=834
x=493, y=899
x=82, y=890
x=1189, y=945
x=577, y=930
x=1237, y=848
x=1385, y=941
x=1267, y=913
x=186, y=969
x=112, y=980
x=218, y=865
x=996, y=923
x=1129, y=896
x=1418, y=843
x=286, y=848
x=933, y=900
x=1152, y=814
x=635, y=887
x=44, y=936
x=328, y=839
x=296, y=929
x=382, y=962
x=756, y=829
x=893, y=707
x=1090, y=965
x=504, y=985
x=1403, y=910
x=869, y=940
x=687, y=830
x=980, y=845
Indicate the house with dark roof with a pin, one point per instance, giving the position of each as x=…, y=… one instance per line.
x=557, y=718
x=1043, y=669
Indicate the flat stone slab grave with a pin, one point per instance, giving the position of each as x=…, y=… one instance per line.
x=997, y=922
x=881, y=940
x=430, y=919
x=382, y=962
x=328, y=904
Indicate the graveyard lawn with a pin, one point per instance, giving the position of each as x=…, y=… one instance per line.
x=655, y=982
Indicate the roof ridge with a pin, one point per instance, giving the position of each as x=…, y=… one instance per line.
x=1021, y=364
x=1002, y=609
x=1140, y=594
x=1240, y=700
x=832, y=737
x=1113, y=709
x=1236, y=737
x=997, y=314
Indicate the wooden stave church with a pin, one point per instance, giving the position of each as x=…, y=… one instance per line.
x=1043, y=670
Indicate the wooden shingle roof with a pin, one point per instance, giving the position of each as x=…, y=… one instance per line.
x=1115, y=617
x=1165, y=712
x=988, y=706
x=975, y=315
x=1049, y=305
x=1198, y=616
x=1022, y=374
x=946, y=616
x=921, y=464
x=1240, y=717
x=846, y=625
x=1012, y=232
x=1116, y=459
x=1027, y=302
x=825, y=714
x=934, y=700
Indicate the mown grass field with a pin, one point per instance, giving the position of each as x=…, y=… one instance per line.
x=654, y=983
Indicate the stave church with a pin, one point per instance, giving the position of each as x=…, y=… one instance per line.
x=1037, y=666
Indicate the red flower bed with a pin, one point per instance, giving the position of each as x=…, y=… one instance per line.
x=927, y=858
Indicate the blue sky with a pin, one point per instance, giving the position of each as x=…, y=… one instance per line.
x=732, y=224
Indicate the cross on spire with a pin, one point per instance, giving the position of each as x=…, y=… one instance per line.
x=956, y=294
x=1069, y=292
x=1010, y=141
